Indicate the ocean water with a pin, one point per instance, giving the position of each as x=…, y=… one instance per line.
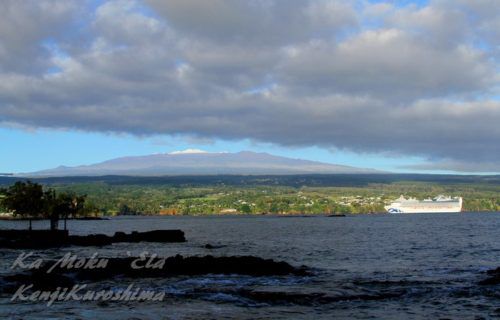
x=418, y=266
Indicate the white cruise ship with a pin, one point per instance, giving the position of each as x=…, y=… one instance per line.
x=438, y=204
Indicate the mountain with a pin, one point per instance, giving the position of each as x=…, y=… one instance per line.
x=198, y=162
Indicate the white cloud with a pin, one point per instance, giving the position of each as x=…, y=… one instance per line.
x=24, y=25
x=387, y=63
x=335, y=74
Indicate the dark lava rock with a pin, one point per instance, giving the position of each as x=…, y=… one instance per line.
x=96, y=240
x=40, y=239
x=211, y=246
x=150, y=236
x=493, y=277
x=33, y=239
x=62, y=275
x=179, y=265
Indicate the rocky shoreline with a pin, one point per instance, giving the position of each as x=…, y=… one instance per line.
x=12, y=218
x=42, y=239
x=53, y=274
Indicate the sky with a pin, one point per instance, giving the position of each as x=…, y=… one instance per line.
x=403, y=86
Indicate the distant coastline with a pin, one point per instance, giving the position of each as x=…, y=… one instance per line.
x=269, y=194
x=13, y=218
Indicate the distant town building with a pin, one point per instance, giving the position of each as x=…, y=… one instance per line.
x=228, y=211
x=6, y=214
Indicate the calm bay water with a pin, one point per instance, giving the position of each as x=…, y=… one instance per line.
x=372, y=266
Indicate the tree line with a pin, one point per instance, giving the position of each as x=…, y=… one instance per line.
x=29, y=200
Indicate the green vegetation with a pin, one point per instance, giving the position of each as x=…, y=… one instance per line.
x=314, y=194
x=153, y=199
x=29, y=200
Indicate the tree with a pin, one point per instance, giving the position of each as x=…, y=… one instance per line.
x=245, y=209
x=50, y=208
x=63, y=205
x=25, y=199
x=29, y=200
x=126, y=210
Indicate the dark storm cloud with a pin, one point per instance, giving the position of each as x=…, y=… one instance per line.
x=343, y=74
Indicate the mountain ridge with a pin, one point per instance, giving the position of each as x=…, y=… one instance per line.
x=198, y=162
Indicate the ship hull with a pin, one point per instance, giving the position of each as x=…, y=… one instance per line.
x=423, y=210
x=404, y=206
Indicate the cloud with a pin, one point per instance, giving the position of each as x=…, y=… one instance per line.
x=24, y=25
x=387, y=63
x=460, y=166
x=418, y=81
x=254, y=23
